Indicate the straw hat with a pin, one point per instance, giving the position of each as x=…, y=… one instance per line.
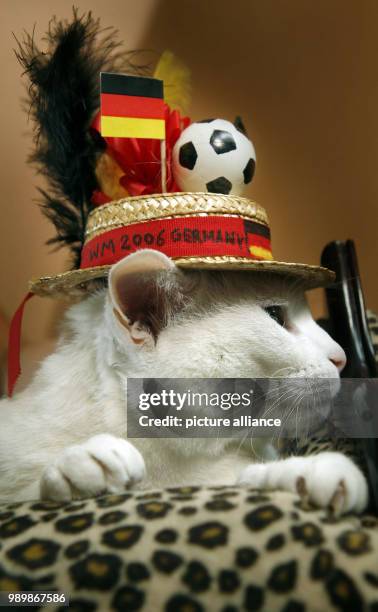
x=198, y=230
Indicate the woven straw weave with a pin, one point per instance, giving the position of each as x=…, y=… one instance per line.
x=145, y=208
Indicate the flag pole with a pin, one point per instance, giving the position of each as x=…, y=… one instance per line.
x=163, y=162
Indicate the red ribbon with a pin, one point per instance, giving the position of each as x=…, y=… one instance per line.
x=14, y=343
x=181, y=237
x=139, y=158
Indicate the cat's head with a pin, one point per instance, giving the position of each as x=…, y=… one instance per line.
x=167, y=323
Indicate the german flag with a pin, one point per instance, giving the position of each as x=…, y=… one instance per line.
x=132, y=106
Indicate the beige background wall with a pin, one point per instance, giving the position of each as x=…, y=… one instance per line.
x=303, y=75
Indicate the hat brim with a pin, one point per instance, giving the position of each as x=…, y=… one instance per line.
x=76, y=282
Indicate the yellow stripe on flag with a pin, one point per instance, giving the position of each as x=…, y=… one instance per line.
x=131, y=127
x=260, y=252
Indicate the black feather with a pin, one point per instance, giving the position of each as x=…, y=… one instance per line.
x=63, y=97
x=238, y=123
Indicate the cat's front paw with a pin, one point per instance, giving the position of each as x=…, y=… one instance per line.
x=103, y=464
x=328, y=480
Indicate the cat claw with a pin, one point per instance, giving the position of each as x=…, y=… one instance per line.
x=337, y=501
x=303, y=492
x=302, y=488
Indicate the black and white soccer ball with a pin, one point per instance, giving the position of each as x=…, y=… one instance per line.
x=213, y=155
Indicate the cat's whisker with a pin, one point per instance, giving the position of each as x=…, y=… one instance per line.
x=278, y=373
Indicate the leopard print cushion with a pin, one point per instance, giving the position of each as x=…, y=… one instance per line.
x=191, y=549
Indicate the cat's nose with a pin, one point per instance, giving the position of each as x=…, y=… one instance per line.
x=338, y=358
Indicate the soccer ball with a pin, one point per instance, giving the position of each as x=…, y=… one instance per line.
x=215, y=156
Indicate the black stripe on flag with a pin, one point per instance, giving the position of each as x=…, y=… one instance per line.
x=124, y=84
x=251, y=227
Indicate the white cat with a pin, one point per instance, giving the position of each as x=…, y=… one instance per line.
x=65, y=435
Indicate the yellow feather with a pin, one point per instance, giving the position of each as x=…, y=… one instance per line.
x=176, y=77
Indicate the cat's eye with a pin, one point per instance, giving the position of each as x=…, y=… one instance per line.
x=277, y=313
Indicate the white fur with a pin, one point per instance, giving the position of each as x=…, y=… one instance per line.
x=59, y=438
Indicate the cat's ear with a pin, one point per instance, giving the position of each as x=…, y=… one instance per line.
x=139, y=286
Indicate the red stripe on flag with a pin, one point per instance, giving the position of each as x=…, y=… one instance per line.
x=261, y=241
x=115, y=105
